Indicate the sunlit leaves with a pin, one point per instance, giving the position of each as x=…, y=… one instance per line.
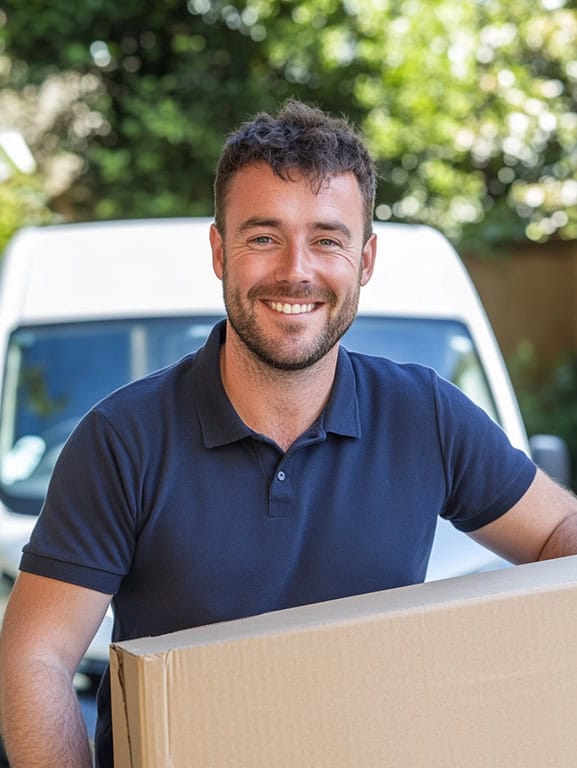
x=469, y=107
x=23, y=200
x=484, y=94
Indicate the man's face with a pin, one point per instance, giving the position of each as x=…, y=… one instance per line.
x=292, y=264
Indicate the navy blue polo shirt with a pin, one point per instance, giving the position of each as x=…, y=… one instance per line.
x=164, y=498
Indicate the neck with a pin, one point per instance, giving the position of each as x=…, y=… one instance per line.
x=276, y=403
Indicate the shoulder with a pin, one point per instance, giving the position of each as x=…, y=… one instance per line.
x=136, y=417
x=372, y=370
x=414, y=392
x=407, y=378
x=146, y=395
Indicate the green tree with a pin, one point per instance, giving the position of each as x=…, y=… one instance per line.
x=22, y=201
x=469, y=107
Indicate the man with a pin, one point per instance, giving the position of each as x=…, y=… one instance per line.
x=270, y=469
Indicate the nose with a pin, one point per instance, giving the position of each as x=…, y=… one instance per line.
x=294, y=264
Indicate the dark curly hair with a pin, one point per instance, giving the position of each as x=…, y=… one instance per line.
x=299, y=138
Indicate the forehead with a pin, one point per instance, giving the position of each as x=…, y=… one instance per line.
x=256, y=191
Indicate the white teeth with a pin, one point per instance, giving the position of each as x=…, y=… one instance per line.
x=291, y=309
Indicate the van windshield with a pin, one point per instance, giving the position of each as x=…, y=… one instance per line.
x=54, y=374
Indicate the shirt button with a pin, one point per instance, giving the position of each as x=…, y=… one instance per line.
x=281, y=476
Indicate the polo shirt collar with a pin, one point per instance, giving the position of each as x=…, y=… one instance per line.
x=221, y=424
x=341, y=416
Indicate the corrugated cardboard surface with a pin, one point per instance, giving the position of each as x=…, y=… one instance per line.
x=477, y=672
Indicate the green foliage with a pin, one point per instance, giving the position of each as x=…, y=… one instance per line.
x=22, y=201
x=548, y=402
x=469, y=107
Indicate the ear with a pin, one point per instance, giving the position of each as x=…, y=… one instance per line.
x=368, y=259
x=217, y=247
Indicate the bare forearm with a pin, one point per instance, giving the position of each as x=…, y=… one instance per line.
x=42, y=724
x=563, y=540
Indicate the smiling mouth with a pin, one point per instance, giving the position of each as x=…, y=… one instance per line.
x=290, y=309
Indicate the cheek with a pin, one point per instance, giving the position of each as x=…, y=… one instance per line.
x=244, y=272
x=342, y=275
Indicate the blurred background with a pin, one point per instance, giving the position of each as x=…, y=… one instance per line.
x=116, y=110
x=113, y=110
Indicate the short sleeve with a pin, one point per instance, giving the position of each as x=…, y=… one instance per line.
x=85, y=533
x=485, y=474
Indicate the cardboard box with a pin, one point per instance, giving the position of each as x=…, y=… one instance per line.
x=476, y=672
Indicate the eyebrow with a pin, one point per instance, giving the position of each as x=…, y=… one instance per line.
x=332, y=226
x=255, y=221
x=322, y=226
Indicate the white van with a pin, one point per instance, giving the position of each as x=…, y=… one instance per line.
x=85, y=308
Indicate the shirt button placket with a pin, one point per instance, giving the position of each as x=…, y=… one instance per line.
x=281, y=495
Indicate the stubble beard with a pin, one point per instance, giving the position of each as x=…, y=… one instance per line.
x=301, y=353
